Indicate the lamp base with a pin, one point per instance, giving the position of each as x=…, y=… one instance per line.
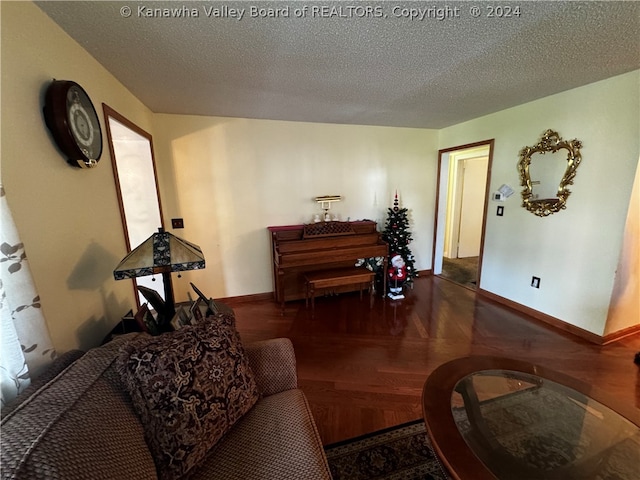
x=165, y=309
x=169, y=302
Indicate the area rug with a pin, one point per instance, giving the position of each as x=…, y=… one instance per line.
x=461, y=270
x=403, y=452
x=543, y=431
x=549, y=434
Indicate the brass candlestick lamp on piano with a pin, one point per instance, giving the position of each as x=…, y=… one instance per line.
x=325, y=203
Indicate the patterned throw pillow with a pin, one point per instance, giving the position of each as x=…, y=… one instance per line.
x=188, y=387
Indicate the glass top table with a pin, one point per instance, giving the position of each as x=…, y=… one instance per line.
x=498, y=418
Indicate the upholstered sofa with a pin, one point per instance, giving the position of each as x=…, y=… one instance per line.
x=82, y=424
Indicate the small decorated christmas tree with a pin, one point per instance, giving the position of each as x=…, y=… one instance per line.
x=396, y=233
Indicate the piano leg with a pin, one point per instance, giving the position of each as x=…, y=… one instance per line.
x=372, y=291
x=385, y=265
x=312, y=292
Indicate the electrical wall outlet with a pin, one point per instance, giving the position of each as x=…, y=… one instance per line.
x=177, y=223
x=535, y=282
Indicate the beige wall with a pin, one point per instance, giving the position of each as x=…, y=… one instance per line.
x=68, y=217
x=232, y=178
x=574, y=252
x=624, y=310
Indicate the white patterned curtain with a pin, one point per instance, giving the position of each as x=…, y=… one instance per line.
x=26, y=348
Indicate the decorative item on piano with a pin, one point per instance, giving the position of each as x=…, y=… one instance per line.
x=397, y=276
x=325, y=203
x=327, y=229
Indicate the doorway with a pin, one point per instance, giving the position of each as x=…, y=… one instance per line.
x=461, y=206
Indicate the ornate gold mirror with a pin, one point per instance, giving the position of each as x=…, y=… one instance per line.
x=540, y=195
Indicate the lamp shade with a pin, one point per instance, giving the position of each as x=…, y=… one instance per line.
x=162, y=252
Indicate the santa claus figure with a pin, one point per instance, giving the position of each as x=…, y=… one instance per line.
x=397, y=276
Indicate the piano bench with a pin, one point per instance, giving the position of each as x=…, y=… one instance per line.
x=325, y=279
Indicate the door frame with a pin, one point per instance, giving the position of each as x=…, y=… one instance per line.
x=442, y=189
x=111, y=114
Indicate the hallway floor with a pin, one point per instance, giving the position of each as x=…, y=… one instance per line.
x=463, y=271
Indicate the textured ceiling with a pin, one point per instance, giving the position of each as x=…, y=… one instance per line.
x=344, y=65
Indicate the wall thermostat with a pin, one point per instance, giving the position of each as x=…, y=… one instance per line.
x=504, y=192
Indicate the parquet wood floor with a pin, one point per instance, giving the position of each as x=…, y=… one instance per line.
x=363, y=369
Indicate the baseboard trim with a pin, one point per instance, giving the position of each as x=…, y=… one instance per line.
x=425, y=273
x=548, y=319
x=620, y=334
x=255, y=297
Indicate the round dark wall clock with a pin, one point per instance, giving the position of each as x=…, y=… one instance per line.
x=73, y=122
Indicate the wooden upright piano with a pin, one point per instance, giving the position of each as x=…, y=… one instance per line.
x=298, y=249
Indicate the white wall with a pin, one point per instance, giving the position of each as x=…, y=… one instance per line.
x=574, y=252
x=232, y=178
x=68, y=217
